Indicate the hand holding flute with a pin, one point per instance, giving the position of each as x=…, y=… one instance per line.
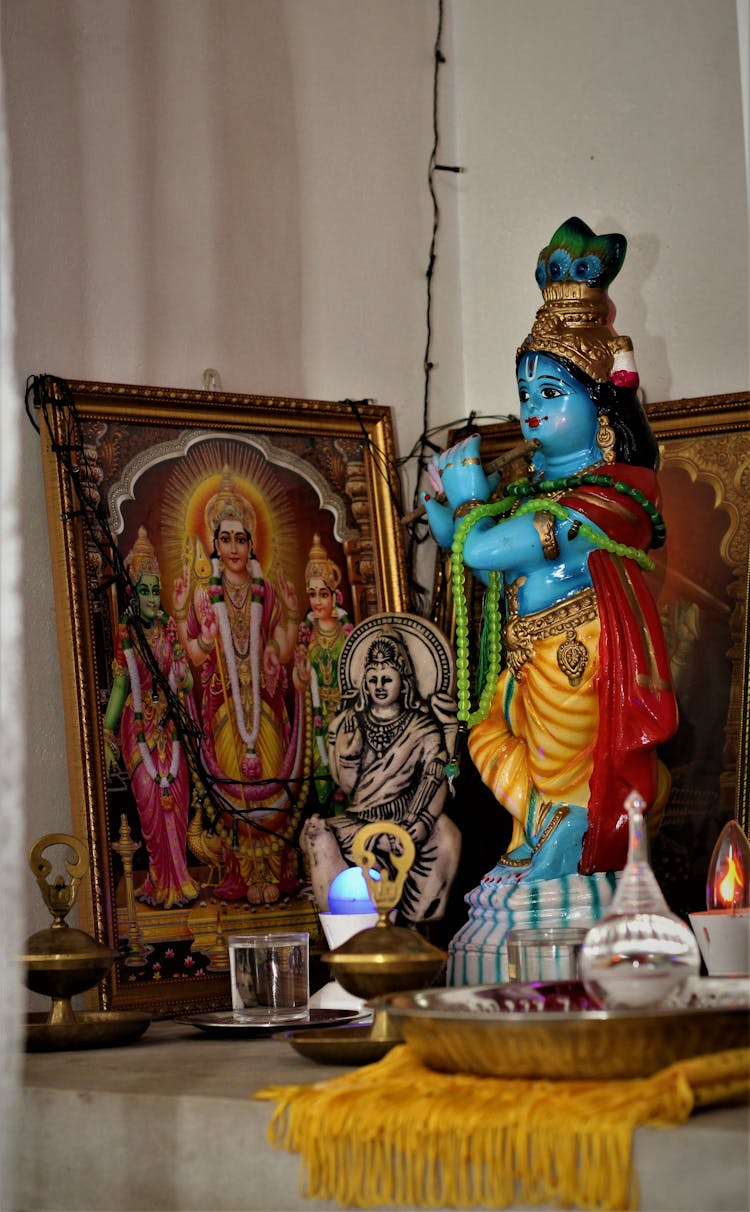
x=465, y=454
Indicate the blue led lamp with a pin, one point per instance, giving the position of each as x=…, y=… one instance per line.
x=349, y=893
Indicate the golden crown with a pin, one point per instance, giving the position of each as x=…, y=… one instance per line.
x=142, y=557
x=226, y=504
x=320, y=565
x=572, y=323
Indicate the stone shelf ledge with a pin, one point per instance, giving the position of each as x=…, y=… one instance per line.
x=168, y=1125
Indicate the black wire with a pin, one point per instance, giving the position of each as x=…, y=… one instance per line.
x=439, y=59
x=47, y=392
x=459, y=425
x=417, y=531
x=388, y=472
x=29, y=394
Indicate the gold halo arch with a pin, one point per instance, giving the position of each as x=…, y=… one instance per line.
x=197, y=477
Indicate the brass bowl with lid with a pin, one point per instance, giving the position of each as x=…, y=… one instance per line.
x=380, y=959
x=384, y=959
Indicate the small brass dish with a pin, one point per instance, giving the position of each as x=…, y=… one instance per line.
x=89, y=1029
x=354, y=1045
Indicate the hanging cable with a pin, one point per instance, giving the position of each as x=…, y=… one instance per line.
x=425, y=448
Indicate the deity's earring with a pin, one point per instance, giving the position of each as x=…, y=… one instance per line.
x=605, y=438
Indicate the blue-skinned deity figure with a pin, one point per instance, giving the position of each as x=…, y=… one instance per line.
x=579, y=693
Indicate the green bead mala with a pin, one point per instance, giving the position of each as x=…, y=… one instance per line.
x=491, y=619
x=523, y=488
x=531, y=504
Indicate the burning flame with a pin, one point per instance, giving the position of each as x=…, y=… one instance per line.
x=731, y=882
x=727, y=886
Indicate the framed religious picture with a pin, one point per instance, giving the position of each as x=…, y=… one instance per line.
x=701, y=583
x=212, y=553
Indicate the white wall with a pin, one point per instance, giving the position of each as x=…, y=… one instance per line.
x=12, y=737
x=230, y=183
x=630, y=116
x=243, y=184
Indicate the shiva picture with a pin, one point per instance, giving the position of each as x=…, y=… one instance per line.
x=388, y=750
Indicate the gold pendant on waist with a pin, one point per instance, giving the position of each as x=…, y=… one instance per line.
x=573, y=657
x=523, y=630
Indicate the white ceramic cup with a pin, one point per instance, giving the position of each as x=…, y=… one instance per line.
x=724, y=940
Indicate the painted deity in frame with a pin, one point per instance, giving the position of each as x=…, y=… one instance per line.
x=197, y=534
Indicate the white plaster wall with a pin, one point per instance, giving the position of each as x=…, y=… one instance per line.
x=12, y=748
x=238, y=184
x=630, y=116
x=243, y=184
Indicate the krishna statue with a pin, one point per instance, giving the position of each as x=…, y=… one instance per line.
x=577, y=695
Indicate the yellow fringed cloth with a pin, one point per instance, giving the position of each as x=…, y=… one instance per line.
x=396, y=1132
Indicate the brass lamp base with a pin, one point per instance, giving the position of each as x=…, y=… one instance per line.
x=88, y=1029
x=380, y=959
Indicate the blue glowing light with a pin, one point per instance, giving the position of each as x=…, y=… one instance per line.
x=348, y=892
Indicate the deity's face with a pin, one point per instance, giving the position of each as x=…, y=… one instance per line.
x=233, y=545
x=148, y=596
x=555, y=408
x=321, y=599
x=383, y=684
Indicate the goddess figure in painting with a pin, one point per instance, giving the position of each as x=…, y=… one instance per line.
x=241, y=632
x=388, y=748
x=572, y=722
x=322, y=636
x=151, y=748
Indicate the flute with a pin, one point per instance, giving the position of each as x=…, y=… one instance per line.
x=515, y=452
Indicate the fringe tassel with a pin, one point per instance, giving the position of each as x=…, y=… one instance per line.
x=398, y=1133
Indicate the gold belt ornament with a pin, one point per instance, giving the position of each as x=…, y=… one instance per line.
x=523, y=630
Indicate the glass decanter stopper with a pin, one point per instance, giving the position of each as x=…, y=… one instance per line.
x=639, y=952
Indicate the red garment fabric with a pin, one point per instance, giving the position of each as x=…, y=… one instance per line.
x=637, y=705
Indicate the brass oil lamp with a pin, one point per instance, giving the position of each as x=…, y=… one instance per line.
x=383, y=958
x=61, y=961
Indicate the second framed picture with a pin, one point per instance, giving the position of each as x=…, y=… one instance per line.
x=701, y=584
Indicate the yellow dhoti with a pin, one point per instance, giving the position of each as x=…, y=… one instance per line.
x=536, y=746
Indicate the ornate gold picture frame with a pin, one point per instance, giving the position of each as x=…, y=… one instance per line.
x=701, y=584
x=135, y=478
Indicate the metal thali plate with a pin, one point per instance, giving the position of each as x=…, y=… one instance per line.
x=223, y=1023
x=553, y=1030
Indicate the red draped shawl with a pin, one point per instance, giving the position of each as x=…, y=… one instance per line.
x=637, y=705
